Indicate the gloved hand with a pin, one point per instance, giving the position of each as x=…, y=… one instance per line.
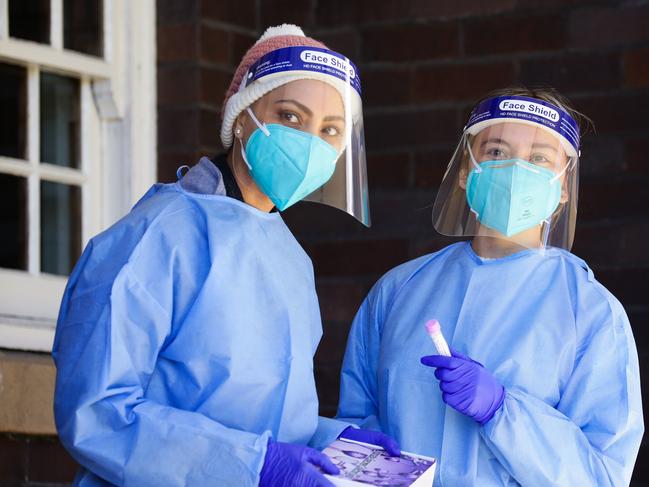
x=388, y=443
x=287, y=465
x=467, y=386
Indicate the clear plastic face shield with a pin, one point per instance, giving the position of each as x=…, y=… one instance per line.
x=513, y=176
x=304, y=139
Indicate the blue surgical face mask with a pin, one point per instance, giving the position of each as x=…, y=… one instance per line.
x=287, y=164
x=513, y=195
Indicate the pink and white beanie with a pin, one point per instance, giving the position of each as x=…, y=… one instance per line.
x=239, y=96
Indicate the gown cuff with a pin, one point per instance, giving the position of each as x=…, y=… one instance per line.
x=328, y=431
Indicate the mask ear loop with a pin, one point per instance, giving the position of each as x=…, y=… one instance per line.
x=243, y=155
x=571, y=161
x=473, y=161
x=261, y=126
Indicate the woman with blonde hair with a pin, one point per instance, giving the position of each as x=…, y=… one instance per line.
x=541, y=384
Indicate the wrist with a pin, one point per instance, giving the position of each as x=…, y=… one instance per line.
x=346, y=431
x=498, y=403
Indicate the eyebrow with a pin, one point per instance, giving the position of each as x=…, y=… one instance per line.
x=546, y=146
x=306, y=110
x=496, y=140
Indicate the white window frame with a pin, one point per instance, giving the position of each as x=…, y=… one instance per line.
x=117, y=157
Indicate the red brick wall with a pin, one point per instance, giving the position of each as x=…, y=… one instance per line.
x=199, y=45
x=423, y=63
x=34, y=461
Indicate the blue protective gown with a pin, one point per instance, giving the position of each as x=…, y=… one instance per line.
x=185, y=340
x=557, y=340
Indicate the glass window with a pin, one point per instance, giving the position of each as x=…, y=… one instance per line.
x=60, y=120
x=52, y=139
x=13, y=111
x=30, y=20
x=13, y=222
x=60, y=227
x=82, y=26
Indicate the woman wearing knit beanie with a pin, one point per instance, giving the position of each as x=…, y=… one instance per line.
x=185, y=340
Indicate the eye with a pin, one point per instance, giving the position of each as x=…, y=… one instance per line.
x=496, y=153
x=290, y=117
x=331, y=131
x=541, y=160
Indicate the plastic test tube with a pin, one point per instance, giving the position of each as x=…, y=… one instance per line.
x=435, y=332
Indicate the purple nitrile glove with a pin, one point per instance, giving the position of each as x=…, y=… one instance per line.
x=377, y=438
x=287, y=465
x=467, y=386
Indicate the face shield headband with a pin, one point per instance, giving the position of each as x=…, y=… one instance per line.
x=527, y=110
x=310, y=61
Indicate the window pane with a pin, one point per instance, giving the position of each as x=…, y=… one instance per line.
x=82, y=26
x=60, y=227
x=13, y=111
x=60, y=120
x=13, y=222
x=30, y=20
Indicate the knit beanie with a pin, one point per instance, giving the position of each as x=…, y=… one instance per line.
x=238, y=96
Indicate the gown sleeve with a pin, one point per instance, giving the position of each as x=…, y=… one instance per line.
x=358, y=378
x=592, y=436
x=109, y=336
x=328, y=430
